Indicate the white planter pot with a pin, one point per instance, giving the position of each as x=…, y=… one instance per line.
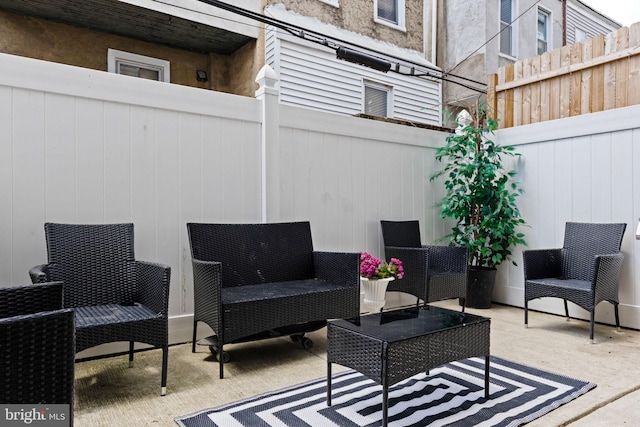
x=374, y=293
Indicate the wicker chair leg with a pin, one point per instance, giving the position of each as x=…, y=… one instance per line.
x=566, y=309
x=193, y=342
x=131, y=354
x=526, y=313
x=593, y=322
x=463, y=301
x=615, y=310
x=221, y=358
x=165, y=360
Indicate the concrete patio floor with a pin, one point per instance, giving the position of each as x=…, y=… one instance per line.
x=108, y=393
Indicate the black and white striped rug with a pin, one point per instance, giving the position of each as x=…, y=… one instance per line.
x=452, y=394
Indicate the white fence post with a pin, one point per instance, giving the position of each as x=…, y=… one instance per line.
x=270, y=142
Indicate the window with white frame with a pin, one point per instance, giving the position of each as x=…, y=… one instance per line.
x=506, y=29
x=377, y=99
x=390, y=12
x=580, y=35
x=131, y=64
x=543, y=31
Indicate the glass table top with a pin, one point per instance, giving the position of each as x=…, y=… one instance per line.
x=406, y=323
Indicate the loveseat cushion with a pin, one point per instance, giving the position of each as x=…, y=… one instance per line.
x=276, y=290
x=253, y=309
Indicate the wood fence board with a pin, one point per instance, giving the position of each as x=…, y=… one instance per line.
x=633, y=87
x=622, y=68
x=554, y=87
x=535, y=90
x=586, y=79
x=576, y=81
x=545, y=65
x=565, y=82
x=609, y=73
x=508, y=117
x=597, y=93
x=517, y=95
x=526, y=93
x=501, y=98
x=492, y=101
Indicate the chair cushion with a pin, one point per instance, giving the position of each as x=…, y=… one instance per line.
x=109, y=314
x=569, y=284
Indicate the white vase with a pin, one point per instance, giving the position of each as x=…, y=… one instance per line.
x=374, y=293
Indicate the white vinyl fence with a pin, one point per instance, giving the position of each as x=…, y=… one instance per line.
x=584, y=169
x=85, y=146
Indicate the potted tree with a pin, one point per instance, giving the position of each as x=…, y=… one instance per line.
x=480, y=195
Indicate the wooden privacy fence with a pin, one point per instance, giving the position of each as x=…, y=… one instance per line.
x=598, y=74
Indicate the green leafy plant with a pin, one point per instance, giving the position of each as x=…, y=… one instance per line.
x=480, y=194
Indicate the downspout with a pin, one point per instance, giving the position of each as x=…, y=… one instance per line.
x=564, y=22
x=434, y=30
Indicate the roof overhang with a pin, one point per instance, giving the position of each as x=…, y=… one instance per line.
x=184, y=24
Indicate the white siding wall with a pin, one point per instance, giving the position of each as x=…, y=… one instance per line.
x=589, y=23
x=312, y=77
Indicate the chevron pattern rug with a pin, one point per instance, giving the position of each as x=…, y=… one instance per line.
x=451, y=395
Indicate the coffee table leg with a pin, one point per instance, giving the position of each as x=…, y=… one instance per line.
x=486, y=377
x=328, y=383
x=385, y=405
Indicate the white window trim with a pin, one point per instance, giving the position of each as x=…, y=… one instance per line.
x=400, y=25
x=333, y=3
x=549, y=29
x=382, y=86
x=117, y=56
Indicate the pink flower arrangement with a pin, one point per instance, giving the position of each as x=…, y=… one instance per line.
x=372, y=268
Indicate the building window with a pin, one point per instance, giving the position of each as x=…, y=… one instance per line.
x=543, y=31
x=580, y=35
x=390, y=12
x=144, y=67
x=506, y=29
x=377, y=99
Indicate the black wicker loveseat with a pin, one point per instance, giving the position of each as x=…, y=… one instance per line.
x=256, y=281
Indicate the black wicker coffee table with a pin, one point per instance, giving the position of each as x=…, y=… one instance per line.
x=391, y=346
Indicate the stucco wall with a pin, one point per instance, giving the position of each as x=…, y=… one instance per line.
x=469, y=33
x=357, y=16
x=66, y=44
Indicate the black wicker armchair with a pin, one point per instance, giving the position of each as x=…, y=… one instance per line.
x=115, y=297
x=256, y=281
x=37, y=346
x=584, y=271
x=432, y=273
